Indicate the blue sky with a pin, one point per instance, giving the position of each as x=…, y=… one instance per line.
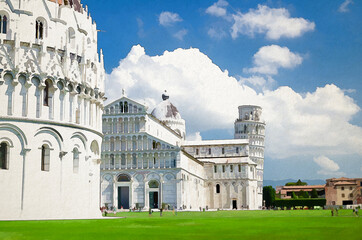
x=327, y=50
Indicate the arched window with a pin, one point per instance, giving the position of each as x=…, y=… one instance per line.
x=3, y=24
x=46, y=94
x=123, y=159
x=75, y=160
x=217, y=188
x=45, y=157
x=134, y=160
x=126, y=107
x=71, y=37
x=112, y=159
x=39, y=29
x=153, y=184
x=4, y=148
x=123, y=178
x=121, y=107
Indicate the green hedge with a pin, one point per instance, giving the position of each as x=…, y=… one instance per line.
x=304, y=202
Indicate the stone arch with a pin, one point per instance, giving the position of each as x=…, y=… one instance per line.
x=169, y=176
x=153, y=176
x=51, y=131
x=17, y=132
x=123, y=177
x=82, y=138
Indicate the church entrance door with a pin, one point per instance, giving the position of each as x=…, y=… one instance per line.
x=123, y=197
x=153, y=199
x=235, y=206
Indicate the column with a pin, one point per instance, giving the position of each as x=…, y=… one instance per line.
x=146, y=197
x=115, y=193
x=161, y=189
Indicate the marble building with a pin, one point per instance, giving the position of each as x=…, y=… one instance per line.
x=51, y=90
x=147, y=163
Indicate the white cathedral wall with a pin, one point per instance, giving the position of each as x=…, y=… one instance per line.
x=156, y=129
x=30, y=193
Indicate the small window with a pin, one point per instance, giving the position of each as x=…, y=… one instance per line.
x=45, y=158
x=134, y=160
x=4, y=155
x=3, y=24
x=251, y=169
x=112, y=159
x=342, y=188
x=217, y=188
x=239, y=166
x=126, y=107
x=209, y=150
x=39, y=29
x=237, y=150
x=343, y=195
x=75, y=160
x=154, y=161
x=123, y=159
x=121, y=107
x=46, y=94
x=350, y=188
x=197, y=151
x=223, y=150
x=231, y=168
x=223, y=168
x=215, y=169
x=351, y=195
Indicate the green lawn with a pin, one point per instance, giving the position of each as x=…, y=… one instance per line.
x=297, y=224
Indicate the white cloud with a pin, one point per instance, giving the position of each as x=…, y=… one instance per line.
x=344, y=6
x=274, y=22
x=216, y=33
x=269, y=58
x=169, y=18
x=194, y=137
x=258, y=82
x=180, y=34
x=218, y=9
x=328, y=166
x=207, y=98
x=326, y=163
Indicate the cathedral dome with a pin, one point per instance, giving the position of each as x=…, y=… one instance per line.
x=167, y=113
x=166, y=110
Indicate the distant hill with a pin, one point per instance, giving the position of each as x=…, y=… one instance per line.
x=275, y=183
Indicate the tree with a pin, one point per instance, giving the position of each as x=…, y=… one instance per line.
x=294, y=196
x=303, y=194
x=314, y=193
x=298, y=183
x=269, y=196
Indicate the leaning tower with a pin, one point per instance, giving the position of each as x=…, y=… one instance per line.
x=250, y=126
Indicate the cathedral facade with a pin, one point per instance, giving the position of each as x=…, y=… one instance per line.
x=51, y=90
x=147, y=163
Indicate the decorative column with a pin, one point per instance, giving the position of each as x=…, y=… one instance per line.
x=146, y=197
x=161, y=189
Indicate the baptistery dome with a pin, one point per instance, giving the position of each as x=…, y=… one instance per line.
x=167, y=113
x=52, y=93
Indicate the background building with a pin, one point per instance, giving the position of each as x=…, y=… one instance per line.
x=344, y=191
x=51, y=90
x=146, y=162
x=287, y=191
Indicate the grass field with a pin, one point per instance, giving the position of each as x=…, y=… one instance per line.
x=297, y=224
